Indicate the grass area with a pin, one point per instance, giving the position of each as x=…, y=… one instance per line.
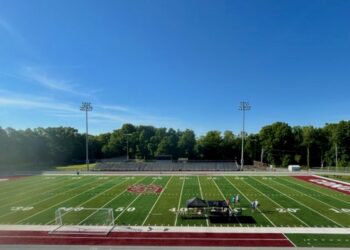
x=320, y=240
x=76, y=167
x=284, y=201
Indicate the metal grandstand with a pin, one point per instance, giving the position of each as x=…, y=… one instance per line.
x=167, y=166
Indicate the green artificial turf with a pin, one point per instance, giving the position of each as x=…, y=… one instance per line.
x=284, y=202
x=320, y=240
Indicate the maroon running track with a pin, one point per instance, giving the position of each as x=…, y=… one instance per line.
x=147, y=239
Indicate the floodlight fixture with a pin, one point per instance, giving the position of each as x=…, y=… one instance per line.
x=86, y=107
x=244, y=106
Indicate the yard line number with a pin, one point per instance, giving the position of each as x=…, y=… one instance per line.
x=77, y=209
x=340, y=210
x=287, y=210
x=130, y=209
x=21, y=209
x=185, y=209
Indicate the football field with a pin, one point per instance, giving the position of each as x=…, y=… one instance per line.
x=159, y=200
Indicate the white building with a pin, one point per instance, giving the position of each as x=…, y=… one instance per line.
x=293, y=168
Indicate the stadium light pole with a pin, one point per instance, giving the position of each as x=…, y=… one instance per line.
x=86, y=107
x=127, y=146
x=244, y=106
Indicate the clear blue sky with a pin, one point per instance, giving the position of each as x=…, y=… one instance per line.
x=181, y=64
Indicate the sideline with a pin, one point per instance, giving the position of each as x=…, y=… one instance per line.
x=176, y=229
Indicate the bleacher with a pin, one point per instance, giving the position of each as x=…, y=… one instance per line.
x=167, y=166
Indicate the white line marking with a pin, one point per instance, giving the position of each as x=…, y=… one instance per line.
x=46, y=191
x=30, y=189
x=39, y=212
x=178, y=206
x=300, y=203
x=36, y=181
x=309, y=196
x=138, y=196
x=200, y=190
x=113, y=200
x=273, y=224
x=48, y=198
x=150, y=211
x=289, y=240
x=308, y=187
x=278, y=204
x=224, y=198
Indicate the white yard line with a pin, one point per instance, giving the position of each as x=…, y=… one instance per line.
x=273, y=224
x=301, y=204
x=289, y=240
x=131, y=203
x=48, y=198
x=150, y=211
x=11, y=184
x=31, y=197
x=277, y=204
x=178, y=206
x=111, y=201
x=308, y=187
x=39, y=212
x=328, y=205
x=29, y=188
x=200, y=190
x=224, y=198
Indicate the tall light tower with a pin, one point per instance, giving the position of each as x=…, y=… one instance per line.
x=86, y=106
x=244, y=106
x=127, y=146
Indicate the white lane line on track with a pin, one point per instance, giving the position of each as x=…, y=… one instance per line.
x=249, y=200
x=278, y=204
x=180, y=198
x=150, y=211
x=329, y=219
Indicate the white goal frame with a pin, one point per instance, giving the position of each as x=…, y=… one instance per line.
x=64, y=228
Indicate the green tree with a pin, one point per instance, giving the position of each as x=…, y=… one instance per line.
x=209, y=146
x=186, y=144
x=277, y=140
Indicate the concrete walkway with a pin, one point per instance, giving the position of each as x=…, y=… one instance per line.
x=284, y=230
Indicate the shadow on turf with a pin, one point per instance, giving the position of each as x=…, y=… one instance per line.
x=243, y=219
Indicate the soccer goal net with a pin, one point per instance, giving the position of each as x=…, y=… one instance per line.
x=81, y=220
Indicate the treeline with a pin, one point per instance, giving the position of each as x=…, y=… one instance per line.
x=278, y=144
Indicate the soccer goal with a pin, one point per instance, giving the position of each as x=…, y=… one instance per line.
x=79, y=220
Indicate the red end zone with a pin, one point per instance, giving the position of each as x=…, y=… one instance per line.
x=326, y=182
x=148, y=239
